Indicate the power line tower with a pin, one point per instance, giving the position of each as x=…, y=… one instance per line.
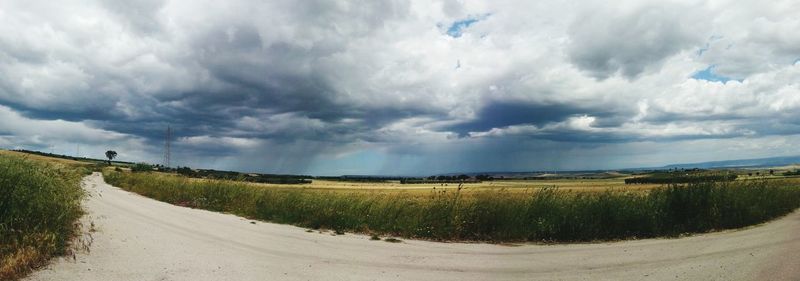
x=167, y=141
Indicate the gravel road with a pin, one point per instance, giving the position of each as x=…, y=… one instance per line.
x=136, y=238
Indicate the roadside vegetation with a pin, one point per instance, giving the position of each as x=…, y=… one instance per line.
x=540, y=214
x=40, y=204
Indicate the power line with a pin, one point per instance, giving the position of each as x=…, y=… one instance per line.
x=167, y=141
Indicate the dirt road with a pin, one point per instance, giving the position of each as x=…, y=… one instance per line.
x=141, y=239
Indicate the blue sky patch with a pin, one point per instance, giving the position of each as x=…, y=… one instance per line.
x=709, y=75
x=457, y=28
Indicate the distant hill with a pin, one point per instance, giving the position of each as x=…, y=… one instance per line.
x=741, y=163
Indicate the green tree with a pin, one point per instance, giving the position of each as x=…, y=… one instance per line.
x=111, y=155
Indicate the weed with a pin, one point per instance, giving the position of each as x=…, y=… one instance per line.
x=39, y=208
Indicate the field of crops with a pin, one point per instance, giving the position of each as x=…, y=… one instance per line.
x=504, y=214
x=39, y=208
x=583, y=185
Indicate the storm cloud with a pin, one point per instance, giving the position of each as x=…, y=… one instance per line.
x=401, y=87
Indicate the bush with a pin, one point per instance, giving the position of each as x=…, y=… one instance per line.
x=142, y=167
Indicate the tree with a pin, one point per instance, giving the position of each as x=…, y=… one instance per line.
x=186, y=171
x=111, y=155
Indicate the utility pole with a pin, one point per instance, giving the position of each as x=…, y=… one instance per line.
x=167, y=140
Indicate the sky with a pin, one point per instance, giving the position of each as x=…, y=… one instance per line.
x=402, y=87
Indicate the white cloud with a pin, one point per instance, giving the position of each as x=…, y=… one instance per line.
x=633, y=37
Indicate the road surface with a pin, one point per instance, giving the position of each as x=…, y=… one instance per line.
x=137, y=238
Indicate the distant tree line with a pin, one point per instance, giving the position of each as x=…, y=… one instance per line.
x=668, y=178
x=792, y=173
x=771, y=173
x=249, y=177
x=349, y=178
x=447, y=179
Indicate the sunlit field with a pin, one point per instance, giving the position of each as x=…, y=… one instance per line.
x=43, y=158
x=509, y=185
x=571, y=185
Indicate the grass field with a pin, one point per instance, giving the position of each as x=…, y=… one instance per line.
x=505, y=213
x=570, y=185
x=39, y=208
x=40, y=158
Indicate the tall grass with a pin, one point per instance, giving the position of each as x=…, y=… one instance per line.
x=539, y=215
x=39, y=208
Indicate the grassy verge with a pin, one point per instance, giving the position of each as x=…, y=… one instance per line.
x=39, y=209
x=537, y=215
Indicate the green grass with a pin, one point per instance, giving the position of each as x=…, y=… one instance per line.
x=547, y=214
x=39, y=210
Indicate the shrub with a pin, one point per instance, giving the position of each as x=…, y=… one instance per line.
x=142, y=167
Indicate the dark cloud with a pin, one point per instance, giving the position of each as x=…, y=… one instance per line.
x=501, y=114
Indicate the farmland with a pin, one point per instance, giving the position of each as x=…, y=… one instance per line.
x=592, y=185
x=44, y=158
x=567, y=208
x=554, y=209
x=506, y=211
